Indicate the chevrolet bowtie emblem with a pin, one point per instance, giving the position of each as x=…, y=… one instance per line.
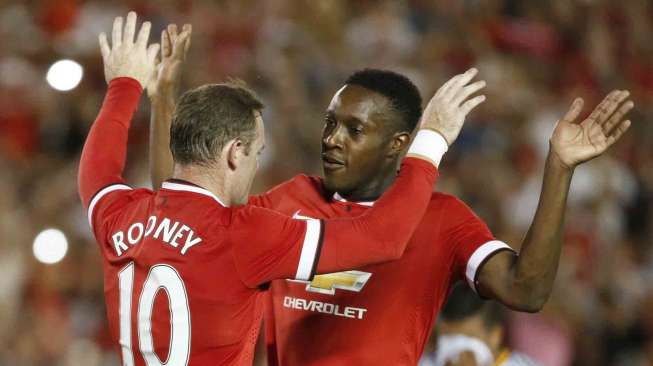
x=328, y=283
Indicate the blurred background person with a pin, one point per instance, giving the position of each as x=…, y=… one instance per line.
x=471, y=332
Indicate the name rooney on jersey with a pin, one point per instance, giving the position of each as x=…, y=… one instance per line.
x=323, y=307
x=170, y=232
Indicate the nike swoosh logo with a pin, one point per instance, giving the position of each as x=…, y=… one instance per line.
x=297, y=216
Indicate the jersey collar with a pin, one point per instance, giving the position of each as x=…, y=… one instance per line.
x=339, y=198
x=182, y=185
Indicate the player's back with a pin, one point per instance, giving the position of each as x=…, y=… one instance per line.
x=172, y=288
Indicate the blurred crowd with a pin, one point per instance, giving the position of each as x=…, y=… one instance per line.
x=535, y=55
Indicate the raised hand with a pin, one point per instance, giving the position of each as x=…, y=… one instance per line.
x=128, y=57
x=447, y=110
x=576, y=142
x=174, y=48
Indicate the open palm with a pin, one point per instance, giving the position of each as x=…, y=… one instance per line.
x=577, y=142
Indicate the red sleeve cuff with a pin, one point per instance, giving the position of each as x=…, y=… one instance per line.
x=126, y=82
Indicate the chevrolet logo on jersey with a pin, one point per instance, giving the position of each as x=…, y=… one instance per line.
x=328, y=283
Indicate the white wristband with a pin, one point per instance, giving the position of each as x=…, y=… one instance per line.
x=429, y=144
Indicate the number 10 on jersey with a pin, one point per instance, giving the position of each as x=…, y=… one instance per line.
x=160, y=277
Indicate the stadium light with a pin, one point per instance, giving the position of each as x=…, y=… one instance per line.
x=64, y=75
x=50, y=246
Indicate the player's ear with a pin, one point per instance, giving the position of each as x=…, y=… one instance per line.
x=235, y=150
x=399, y=143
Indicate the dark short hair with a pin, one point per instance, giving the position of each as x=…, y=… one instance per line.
x=464, y=303
x=402, y=93
x=208, y=117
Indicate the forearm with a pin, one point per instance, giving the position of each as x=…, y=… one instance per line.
x=161, y=163
x=535, y=267
x=103, y=157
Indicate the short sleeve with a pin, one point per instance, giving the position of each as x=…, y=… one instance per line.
x=268, y=245
x=470, y=240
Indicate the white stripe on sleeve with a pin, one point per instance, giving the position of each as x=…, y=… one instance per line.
x=478, y=258
x=103, y=192
x=309, y=250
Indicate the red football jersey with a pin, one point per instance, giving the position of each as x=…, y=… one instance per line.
x=378, y=314
x=170, y=277
x=183, y=272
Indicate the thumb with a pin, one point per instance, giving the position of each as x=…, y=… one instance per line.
x=574, y=111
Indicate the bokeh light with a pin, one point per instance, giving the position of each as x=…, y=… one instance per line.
x=50, y=246
x=64, y=75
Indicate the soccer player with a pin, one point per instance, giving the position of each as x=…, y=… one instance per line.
x=184, y=267
x=382, y=314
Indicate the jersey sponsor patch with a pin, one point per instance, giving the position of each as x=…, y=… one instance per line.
x=323, y=307
x=328, y=283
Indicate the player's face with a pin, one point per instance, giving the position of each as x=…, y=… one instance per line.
x=354, y=140
x=250, y=161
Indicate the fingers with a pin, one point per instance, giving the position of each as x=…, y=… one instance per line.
x=166, y=46
x=574, y=110
x=176, y=44
x=116, y=34
x=618, y=132
x=603, y=111
x=130, y=29
x=451, y=88
x=143, y=35
x=447, y=84
x=616, y=118
x=172, y=32
x=471, y=104
x=157, y=59
x=187, y=28
x=152, y=52
x=600, y=108
x=179, y=46
x=104, y=46
x=468, y=90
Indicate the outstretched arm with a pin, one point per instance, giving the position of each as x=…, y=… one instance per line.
x=162, y=92
x=524, y=281
x=128, y=64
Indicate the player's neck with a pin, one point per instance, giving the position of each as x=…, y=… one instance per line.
x=208, y=178
x=372, y=190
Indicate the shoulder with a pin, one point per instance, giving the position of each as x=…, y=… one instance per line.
x=115, y=194
x=114, y=201
x=250, y=221
x=450, y=207
x=299, y=183
x=138, y=193
x=250, y=215
x=445, y=201
x=300, y=187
